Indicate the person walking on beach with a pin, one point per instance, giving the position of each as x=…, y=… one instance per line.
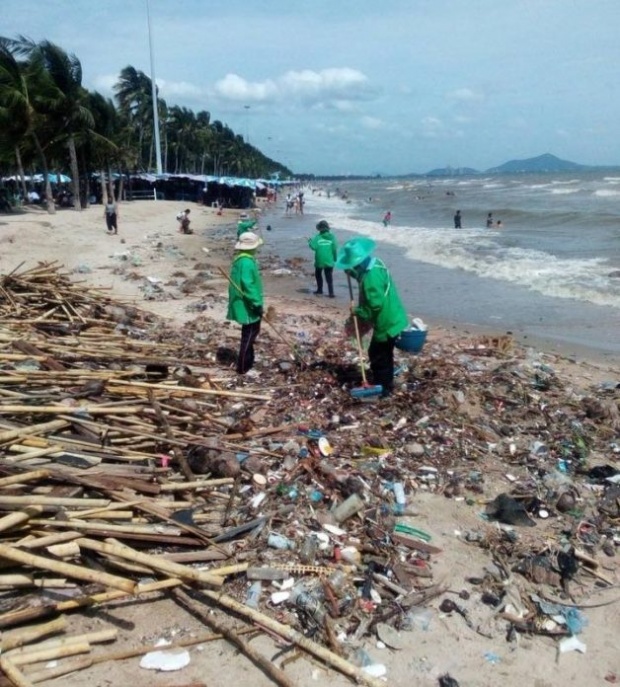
x=490, y=220
x=245, y=297
x=184, y=222
x=325, y=250
x=457, y=220
x=110, y=212
x=387, y=218
x=379, y=306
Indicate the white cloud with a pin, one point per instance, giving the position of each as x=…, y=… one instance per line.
x=181, y=89
x=335, y=87
x=234, y=87
x=372, y=123
x=465, y=94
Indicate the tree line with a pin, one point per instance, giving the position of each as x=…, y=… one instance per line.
x=49, y=121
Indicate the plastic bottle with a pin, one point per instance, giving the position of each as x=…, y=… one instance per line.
x=253, y=595
x=347, y=508
x=401, y=500
x=279, y=541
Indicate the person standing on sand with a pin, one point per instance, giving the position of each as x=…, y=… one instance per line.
x=245, y=297
x=379, y=306
x=110, y=212
x=325, y=249
x=184, y=222
x=457, y=220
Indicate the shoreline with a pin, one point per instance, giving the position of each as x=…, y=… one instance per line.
x=150, y=265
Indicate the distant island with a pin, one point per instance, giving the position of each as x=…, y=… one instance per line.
x=541, y=164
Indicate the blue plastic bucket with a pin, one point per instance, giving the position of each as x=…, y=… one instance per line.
x=411, y=340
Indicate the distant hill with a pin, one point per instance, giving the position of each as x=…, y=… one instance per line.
x=452, y=172
x=542, y=163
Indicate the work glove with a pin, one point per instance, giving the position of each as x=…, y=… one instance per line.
x=259, y=311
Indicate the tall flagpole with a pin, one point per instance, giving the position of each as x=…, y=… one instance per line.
x=154, y=92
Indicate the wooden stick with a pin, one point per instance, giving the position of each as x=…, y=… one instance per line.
x=60, y=670
x=74, y=571
x=11, y=639
x=24, y=477
x=195, y=485
x=14, y=674
x=64, y=410
x=18, y=580
x=50, y=540
x=265, y=664
x=51, y=654
x=154, y=562
x=49, y=501
x=191, y=390
x=99, y=637
x=296, y=637
x=19, y=518
x=42, y=428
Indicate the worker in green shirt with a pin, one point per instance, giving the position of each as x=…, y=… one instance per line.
x=245, y=224
x=379, y=306
x=325, y=250
x=245, y=297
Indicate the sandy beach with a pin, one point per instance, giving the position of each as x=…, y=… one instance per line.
x=151, y=266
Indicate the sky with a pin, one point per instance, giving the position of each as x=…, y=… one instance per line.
x=364, y=87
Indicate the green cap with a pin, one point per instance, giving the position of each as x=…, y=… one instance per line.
x=354, y=251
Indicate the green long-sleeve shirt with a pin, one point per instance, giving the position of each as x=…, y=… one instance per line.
x=325, y=249
x=246, y=301
x=379, y=302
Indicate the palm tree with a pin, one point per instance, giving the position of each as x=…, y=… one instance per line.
x=19, y=81
x=64, y=101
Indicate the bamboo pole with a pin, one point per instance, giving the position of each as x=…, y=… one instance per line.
x=19, y=517
x=51, y=654
x=325, y=655
x=19, y=580
x=153, y=562
x=64, y=410
x=11, y=639
x=195, y=485
x=74, y=571
x=265, y=664
x=49, y=540
x=41, y=428
x=14, y=674
x=98, y=637
x=24, y=477
x=63, y=668
x=52, y=501
x=191, y=390
x=105, y=527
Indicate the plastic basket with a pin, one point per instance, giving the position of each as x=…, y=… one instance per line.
x=411, y=340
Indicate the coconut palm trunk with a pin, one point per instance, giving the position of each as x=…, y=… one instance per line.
x=20, y=172
x=75, y=173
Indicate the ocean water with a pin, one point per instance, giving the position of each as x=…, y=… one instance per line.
x=551, y=272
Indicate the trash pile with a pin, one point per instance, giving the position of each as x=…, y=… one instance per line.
x=133, y=460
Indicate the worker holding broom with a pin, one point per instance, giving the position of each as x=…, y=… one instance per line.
x=379, y=306
x=245, y=297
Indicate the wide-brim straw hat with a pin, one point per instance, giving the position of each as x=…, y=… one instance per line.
x=354, y=251
x=248, y=241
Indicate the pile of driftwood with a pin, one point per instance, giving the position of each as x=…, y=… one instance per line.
x=108, y=443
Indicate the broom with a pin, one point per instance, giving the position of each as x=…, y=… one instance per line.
x=366, y=390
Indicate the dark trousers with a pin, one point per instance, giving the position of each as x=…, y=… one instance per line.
x=249, y=332
x=381, y=355
x=110, y=220
x=329, y=278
